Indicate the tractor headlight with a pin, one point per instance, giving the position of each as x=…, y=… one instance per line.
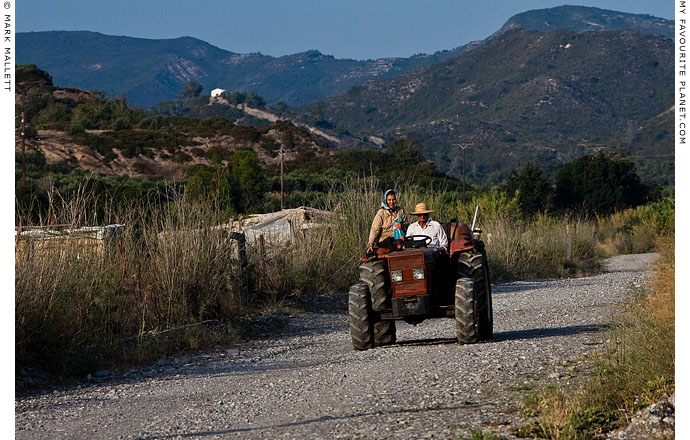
x=418, y=274
x=396, y=275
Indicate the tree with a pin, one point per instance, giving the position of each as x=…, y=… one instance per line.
x=239, y=187
x=248, y=182
x=405, y=151
x=405, y=156
x=534, y=192
x=191, y=90
x=599, y=184
x=210, y=182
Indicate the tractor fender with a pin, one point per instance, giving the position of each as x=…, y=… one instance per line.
x=464, y=245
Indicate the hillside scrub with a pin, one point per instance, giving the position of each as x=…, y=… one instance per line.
x=636, y=370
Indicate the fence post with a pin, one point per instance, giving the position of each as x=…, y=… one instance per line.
x=19, y=232
x=242, y=254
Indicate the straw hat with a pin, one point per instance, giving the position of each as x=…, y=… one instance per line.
x=421, y=208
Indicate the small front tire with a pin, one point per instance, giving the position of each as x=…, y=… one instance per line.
x=360, y=317
x=466, y=316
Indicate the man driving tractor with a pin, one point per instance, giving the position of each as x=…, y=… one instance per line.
x=431, y=228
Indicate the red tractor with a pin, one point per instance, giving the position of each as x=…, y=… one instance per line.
x=411, y=282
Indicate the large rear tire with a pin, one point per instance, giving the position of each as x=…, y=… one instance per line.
x=486, y=318
x=474, y=270
x=360, y=316
x=384, y=333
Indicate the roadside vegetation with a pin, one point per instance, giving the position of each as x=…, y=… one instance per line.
x=636, y=370
x=170, y=280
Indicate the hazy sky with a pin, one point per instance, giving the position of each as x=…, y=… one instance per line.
x=358, y=29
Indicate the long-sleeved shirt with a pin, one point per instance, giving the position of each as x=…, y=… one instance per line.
x=432, y=229
x=382, y=226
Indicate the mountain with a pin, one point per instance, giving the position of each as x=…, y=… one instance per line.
x=583, y=18
x=149, y=71
x=524, y=96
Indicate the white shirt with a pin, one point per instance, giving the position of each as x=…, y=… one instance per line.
x=432, y=229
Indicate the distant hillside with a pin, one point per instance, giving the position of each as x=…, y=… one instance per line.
x=150, y=71
x=524, y=95
x=156, y=70
x=73, y=129
x=582, y=18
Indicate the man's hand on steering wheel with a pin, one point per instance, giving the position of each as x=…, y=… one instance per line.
x=410, y=239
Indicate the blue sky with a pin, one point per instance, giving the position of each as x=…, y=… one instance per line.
x=358, y=29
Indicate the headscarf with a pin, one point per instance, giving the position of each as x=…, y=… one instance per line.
x=384, y=205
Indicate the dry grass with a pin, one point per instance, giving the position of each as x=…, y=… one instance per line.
x=545, y=247
x=171, y=269
x=78, y=309
x=635, y=230
x=637, y=369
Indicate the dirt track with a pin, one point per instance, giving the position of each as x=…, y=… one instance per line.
x=309, y=383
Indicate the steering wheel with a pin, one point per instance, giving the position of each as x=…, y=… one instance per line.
x=415, y=241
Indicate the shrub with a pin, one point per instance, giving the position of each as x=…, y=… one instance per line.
x=121, y=124
x=75, y=128
x=636, y=230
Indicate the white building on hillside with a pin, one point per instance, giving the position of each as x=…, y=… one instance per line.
x=217, y=92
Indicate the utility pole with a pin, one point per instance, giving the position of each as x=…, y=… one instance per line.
x=282, y=181
x=23, y=135
x=463, y=146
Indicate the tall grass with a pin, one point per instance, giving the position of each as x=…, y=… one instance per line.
x=517, y=248
x=80, y=304
x=171, y=269
x=636, y=370
x=543, y=247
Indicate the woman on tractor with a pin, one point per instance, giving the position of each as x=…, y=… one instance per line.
x=385, y=220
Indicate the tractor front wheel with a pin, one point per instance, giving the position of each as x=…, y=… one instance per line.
x=474, y=266
x=375, y=275
x=360, y=315
x=466, y=316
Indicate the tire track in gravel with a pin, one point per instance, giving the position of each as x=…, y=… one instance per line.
x=309, y=383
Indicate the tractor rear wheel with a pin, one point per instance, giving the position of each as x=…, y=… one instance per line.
x=474, y=265
x=360, y=316
x=384, y=333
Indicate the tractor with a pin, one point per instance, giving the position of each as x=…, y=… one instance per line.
x=408, y=281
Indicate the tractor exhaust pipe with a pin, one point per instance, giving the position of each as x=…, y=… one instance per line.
x=476, y=233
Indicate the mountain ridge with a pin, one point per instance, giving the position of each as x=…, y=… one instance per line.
x=521, y=96
x=158, y=69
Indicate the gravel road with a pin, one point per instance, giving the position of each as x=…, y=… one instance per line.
x=308, y=383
